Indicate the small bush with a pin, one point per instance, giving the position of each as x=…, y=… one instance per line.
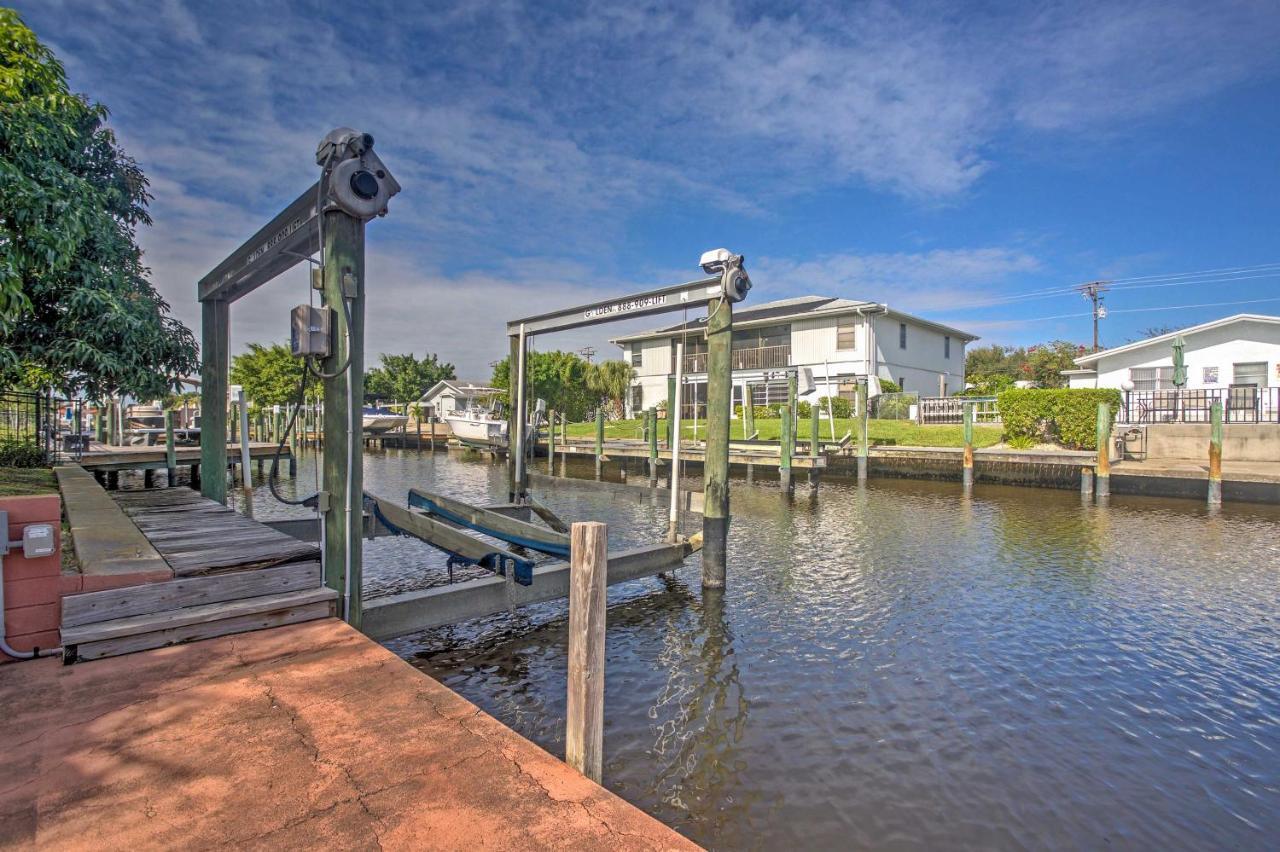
x=17, y=452
x=1021, y=442
x=803, y=410
x=840, y=408
x=1067, y=416
x=890, y=386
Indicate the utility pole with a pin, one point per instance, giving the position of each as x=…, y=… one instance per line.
x=1093, y=292
x=587, y=352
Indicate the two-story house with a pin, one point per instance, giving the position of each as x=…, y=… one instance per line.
x=837, y=340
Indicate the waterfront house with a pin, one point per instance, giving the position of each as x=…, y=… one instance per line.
x=835, y=340
x=450, y=395
x=1235, y=359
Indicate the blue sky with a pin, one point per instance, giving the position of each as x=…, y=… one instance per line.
x=933, y=156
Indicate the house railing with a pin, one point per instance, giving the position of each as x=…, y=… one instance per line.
x=1240, y=404
x=757, y=358
x=950, y=409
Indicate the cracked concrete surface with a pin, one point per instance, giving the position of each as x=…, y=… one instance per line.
x=296, y=736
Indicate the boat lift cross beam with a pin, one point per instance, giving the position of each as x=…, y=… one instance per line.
x=727, y=282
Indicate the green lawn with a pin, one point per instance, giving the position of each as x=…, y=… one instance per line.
x=900, y=432
x=20, y=481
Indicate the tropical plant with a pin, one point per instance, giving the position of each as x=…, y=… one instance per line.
x=404, y=378
x=76, y=309
x=560, y=378
x=270, y=375
x=611, y=379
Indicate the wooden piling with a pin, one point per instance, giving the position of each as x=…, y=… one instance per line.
x=715, y=465
x=584, y=712
x=599, y=441
x=1215, y=454
x=100, y=424
x=343, y=470
x=793, y=406
x=784, y=458
x=1086, y=482
x=861, y=416
x=653, y=446
x=748, y=411
x=551, y=442
x=967, y=476
x=1102, y=487
x=170, y=451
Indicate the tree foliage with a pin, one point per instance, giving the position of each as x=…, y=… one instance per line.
x=558, y=377
x=404, y=378
x=76, y=309
x=610, y=379
x=1042, y=364
x=270, y=375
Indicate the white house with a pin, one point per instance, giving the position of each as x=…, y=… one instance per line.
x=838, y=340
x=1241, y=350
x=450, y=395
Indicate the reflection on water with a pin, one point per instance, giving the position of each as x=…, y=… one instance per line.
x=899, y=665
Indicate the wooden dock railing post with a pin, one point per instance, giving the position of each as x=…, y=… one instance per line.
x=1215, y=454
x=967, y=476
x=1102, y=488
x=748, y=411
x=784, y=458
x=170, y=451
x=584, y=716
x=861, y=416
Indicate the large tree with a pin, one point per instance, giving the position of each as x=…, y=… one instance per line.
x=612, y=380
x=76, y=309
x=404, y=378
x=560, y=378
x=270, y=375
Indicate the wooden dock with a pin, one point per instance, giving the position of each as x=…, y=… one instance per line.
x=160, y=567
x=740, y=453
x=196, y=535
x=101, y=457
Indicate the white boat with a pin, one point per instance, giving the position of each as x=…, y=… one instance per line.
x=377, y=420
x=479, y=427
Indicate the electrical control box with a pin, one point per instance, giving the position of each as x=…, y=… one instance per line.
x=311, y=332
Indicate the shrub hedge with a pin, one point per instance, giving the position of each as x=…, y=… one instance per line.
x=1068, y=416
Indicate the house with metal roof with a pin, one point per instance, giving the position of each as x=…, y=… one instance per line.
x=831, y=341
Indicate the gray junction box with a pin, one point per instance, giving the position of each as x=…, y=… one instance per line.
x=311, y=331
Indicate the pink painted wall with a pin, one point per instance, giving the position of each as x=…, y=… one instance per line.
x=32, y=587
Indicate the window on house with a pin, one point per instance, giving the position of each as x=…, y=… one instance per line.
x=1151, y=378
x=902, y=335
x=946, y=347
x=637, y=399
x=902, y=383
x=844, y=333
x=637, y=355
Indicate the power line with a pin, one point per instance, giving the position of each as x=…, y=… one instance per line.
x=1147, y=310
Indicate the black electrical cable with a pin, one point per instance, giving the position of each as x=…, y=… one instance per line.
x=319, y=374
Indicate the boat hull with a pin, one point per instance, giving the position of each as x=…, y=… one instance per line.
x=486, y=433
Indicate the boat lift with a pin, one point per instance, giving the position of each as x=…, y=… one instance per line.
x=726, y=283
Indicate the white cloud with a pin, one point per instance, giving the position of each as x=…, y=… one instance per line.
x=541, y=134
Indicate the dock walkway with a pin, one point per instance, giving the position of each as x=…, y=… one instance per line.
x=309, y=735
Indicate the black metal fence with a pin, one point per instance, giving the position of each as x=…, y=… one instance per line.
x=39, y=428
x=1240, y=404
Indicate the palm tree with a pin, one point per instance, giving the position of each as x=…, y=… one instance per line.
x=612, y=380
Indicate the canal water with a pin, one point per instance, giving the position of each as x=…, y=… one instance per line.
x=898, y=666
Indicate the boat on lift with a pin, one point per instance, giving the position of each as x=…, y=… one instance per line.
x=377, y=419
x=479, y=427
